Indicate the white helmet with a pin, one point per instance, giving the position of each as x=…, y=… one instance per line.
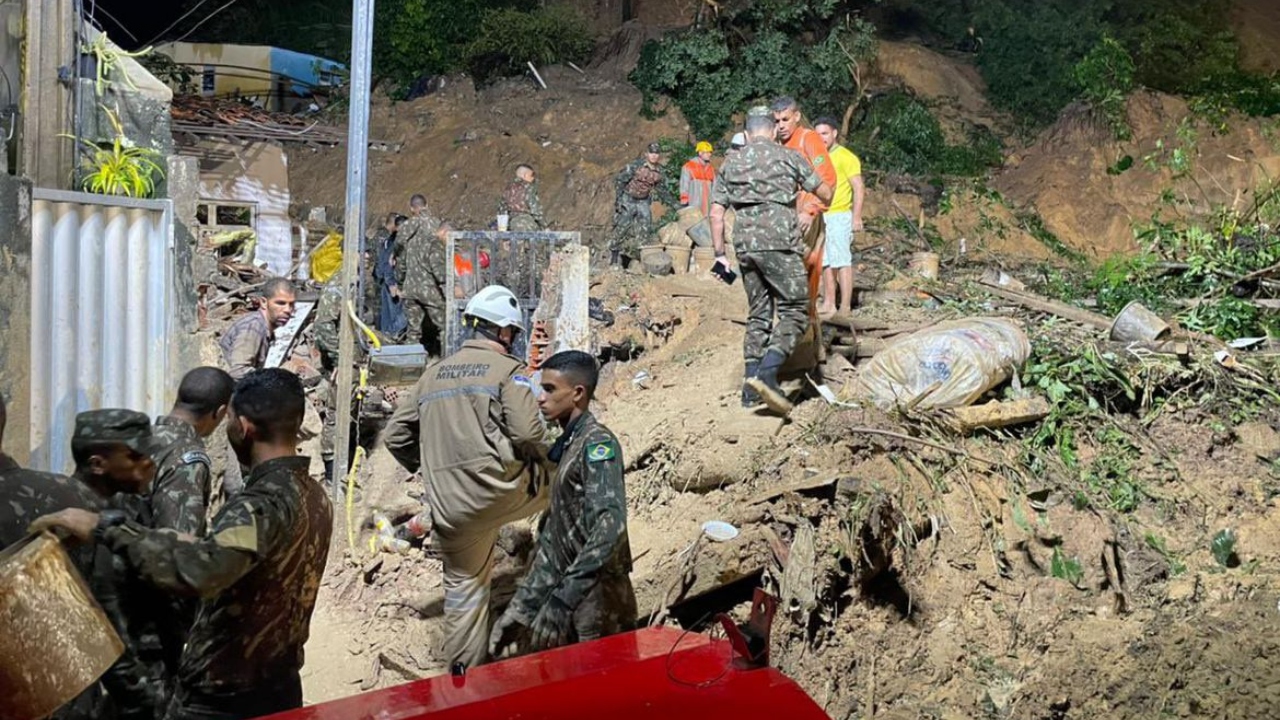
x=739, y=140
x=496, y=305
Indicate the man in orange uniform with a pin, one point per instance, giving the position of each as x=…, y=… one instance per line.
x=786, y=113
x=696, y=178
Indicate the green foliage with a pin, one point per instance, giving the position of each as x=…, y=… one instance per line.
x=1155, y=542
x=752, y=55
x=900, y=135
x=1065, y=568
x=1105, y=77
x=118, y=167
x=509, y=38
x=1223, y=548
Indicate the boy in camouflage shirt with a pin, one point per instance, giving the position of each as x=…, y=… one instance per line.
x=578, y=588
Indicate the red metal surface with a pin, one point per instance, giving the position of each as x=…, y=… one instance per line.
x=635, y=675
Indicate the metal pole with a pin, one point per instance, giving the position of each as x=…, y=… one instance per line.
x=353, y=229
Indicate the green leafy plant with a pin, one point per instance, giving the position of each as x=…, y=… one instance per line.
x=1065, y=568
x=1155, y=542
x=508, y=38
x=118, y=167
x=1105, y=77
x=1223, y=548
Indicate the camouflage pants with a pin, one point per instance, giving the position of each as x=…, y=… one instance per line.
x=417, y=312
x=329, y=429
x=522, y=222
x=776, y=282
x=632, y=225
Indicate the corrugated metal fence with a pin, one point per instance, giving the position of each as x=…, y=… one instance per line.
x=103, y=311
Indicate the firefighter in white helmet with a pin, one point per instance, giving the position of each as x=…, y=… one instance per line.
x=471, y=425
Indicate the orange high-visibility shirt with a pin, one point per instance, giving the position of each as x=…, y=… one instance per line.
x=809, y=144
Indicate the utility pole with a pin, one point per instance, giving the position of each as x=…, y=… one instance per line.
x=353, y=229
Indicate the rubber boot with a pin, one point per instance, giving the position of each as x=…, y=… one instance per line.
x=766, y=383
x=750, y=398
x=328, y=472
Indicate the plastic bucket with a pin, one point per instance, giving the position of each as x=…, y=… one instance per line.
x=924, y=264
x=55, y=641
x=671, y=234
x=679, y=257
x=700, y=233
x=687, y=217
x=649, y=251
x=1136, y=323
x=703, y=259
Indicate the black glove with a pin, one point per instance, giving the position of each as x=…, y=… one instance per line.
x=505, y=633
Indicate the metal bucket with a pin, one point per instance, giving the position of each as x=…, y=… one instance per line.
x=55, y=641
x=1136, y=323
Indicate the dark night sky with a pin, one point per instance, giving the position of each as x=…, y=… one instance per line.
x=145, y=18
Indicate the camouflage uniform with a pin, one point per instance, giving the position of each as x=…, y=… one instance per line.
x=584, y=555
x=257, y=572
x=245, y=346
x=420, y=273
x=132, y=690
x=760, y=184
x=520, y=203
x=635, y=188
x=327, y=327
x=178, y=500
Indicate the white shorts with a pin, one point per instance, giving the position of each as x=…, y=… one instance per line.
x=838, y=252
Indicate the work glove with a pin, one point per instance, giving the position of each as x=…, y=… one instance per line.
x=551, y=627
x=505, y=634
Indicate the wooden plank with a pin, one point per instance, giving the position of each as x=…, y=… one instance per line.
x=996, y=414
x=1053, y=307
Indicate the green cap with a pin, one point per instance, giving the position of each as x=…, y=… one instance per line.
x=115, y=426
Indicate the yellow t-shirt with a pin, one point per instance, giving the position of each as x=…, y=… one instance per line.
x=847, y=165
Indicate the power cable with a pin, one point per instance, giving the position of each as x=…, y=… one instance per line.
x=93, y=13
x=207, y=19
x=175, y=23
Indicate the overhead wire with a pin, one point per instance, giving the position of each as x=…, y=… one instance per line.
x=175, y=23
x=207, y=19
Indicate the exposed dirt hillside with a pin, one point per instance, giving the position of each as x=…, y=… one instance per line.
x=460, y=147
x=1257, y=25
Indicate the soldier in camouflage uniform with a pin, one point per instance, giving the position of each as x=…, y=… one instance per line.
x=328, y=324
x=112, y=451
x=245, y=346
x=520, y=202
x=579, y=586
x=635, y=189
x=179, y=500
x=420, y=276
x=760, y=184
x=257, y=571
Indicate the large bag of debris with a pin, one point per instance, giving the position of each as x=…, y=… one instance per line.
x=948, y=365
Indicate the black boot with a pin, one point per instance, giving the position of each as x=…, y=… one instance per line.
x=750, y=398
x=328, y=472
x=766, y=383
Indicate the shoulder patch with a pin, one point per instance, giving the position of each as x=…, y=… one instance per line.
x=522, y=380
x=196, y=456
x=599, y=452
x=819, y=160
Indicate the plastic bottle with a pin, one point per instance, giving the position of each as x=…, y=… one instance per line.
x=415, y=527
x=382, y=524
x=388, y=544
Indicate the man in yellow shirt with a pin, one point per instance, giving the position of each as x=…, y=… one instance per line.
x=842, y=219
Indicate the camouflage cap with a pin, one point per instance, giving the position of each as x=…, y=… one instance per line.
x=655, y=147
x=106, y=427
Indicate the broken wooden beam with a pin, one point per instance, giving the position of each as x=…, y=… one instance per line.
x=1052, y=307
x=996, y=414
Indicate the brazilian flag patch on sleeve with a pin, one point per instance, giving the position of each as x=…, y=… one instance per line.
x=600, y=452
